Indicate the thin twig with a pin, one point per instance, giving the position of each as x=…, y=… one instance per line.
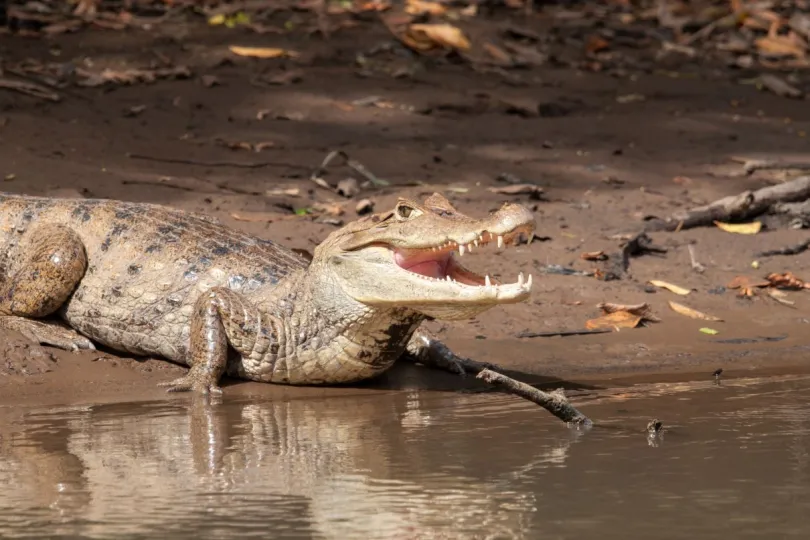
x=317, y=174
x=790, y=250
x=696, y=266
x=563, y=333
x=30, y=89
x=555, y=402
x=249, y=165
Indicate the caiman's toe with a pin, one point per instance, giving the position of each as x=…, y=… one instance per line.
x=81, y=343
x=192, y=384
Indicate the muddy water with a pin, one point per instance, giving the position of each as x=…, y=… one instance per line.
x=734, y=464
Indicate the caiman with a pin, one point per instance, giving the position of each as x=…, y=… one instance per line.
x=156, y=281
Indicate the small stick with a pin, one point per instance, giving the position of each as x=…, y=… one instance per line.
x=696, y=266
x=563, y=333
x=250, y=165
x=555, y=402
x=790, y=250
x=358, y=167
x=30, y=89
x=750, y=166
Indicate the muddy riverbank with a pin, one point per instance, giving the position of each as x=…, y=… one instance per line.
x=604, y=163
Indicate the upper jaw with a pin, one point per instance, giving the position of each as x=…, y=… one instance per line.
x=438, y=269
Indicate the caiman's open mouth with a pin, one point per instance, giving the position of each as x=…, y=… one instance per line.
x=439, y=263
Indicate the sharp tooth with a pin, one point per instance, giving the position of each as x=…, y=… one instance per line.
x=449, y=278
x=461, y=249
x=529, y=282
x=500, y=241
x=476, y=242
x=469, y=247
x=487, y=282
x=520, y=280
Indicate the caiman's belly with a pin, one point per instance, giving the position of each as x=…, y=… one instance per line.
x=136, y=331
x=134, y=318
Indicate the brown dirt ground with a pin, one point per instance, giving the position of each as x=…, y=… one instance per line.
x=687, y=127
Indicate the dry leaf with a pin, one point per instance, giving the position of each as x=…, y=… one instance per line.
x=746, y=286
x=740, y=228
x=618, y=319
x=426, y=37
x=693, y=313
x=328, y=208
x=778, y=86
x=744, y=281
x=682, y=180
x=779, y=296
x=497, y=53
x=364, y=207
x=593, y=256
x=518, y=189
x=261, y=52
x=787, y=281
x=779, y=46
x=418, y=7
x=596, y=44
x=244, y=145
x=291, y=192
x=670, y=287
x=642, y=310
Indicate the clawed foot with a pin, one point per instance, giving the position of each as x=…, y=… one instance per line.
x=193, y=382
x=50, y=333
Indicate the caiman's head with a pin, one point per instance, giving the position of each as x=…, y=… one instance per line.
x=409, y=257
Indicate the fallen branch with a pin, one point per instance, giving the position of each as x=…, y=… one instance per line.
x=434, y=354
x=750, y=166
x=735, y=208
x=790, y=250
x=237, y=164
x=554, y=402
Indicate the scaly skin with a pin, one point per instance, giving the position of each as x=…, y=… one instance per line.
x=152, y=280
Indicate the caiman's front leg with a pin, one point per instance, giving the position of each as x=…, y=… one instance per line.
x=221, y=317
x=38, y=284
x=425, y=349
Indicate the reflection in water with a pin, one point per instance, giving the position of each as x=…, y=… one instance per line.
x=412, y=465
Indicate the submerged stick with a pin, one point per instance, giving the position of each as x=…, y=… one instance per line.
x=432, y=353
x=555, y=402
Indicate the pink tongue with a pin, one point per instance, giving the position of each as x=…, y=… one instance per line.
x=428, y=268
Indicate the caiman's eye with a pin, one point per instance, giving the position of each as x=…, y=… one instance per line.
x=404, y=211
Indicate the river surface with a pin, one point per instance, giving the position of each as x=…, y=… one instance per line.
x=733, y=463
